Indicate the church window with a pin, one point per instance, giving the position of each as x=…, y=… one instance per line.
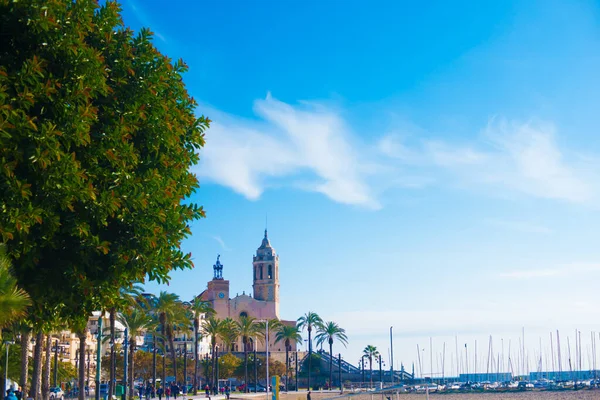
x=243, y=314
x=270, y=274
x=261, y=272
x=255, y=274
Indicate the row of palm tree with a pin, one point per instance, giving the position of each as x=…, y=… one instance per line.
x=326, y=332
x=164, y=316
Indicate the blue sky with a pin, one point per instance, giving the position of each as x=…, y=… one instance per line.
x=433, y=166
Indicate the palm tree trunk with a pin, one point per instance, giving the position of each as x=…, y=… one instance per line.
x=309, y=355
x=287, y=367
x=154, y=361
x=173, y=358
x=196, y=328
x=371, y=370
x=25, y=338
x=164, y=350
x=82, y=337
x=132, y=369
x=111, y=383
x=214, y=366
x=246, y=366
x=46, y=370
x=36, y=379
x=164, y=370
x=331, y=363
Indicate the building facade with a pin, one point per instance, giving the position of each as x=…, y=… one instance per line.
x=263, y=304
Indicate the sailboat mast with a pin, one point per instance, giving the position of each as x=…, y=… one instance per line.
x=443, y=361
x=489, y=351
x=552, y=352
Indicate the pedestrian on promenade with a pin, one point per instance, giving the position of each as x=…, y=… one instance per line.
x=308, y=395
x=168, y=392
x=159, y=392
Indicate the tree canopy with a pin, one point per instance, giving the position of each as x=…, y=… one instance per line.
x=97, y=137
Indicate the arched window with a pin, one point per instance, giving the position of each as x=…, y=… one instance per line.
x=261, y=272
x=255, y=274
x=244, y=314
x=270, y=274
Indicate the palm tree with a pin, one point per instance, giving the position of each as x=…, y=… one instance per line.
x=309, y=321
x=328, y=332
x=124, y=298
x=289, y=334
x=198, y=307
x=229, y=333
x=137, y=322
x=371, y=352
x=168, y=308
x=13, y=300
x=212, y=327
x=247, y=328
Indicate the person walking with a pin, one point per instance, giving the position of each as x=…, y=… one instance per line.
x=159, y=392
x=167, y=392
x=308, y=395
x=227, y=391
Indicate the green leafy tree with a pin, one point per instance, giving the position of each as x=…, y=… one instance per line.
x=310, y=321
x=288, y=334
x=228, y=364
x=328, y=332
x=371, y=352
x=97, y=137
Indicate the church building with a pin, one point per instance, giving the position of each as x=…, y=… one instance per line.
x=263, y=304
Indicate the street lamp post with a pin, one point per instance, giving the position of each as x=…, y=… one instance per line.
x=56, y=361
x=87, y=382
x=7, y=344
x=391, y=356
x=98, y=357
x=340, y=372
x=255, y=370
x=125, y=356
x=185, y=364
x=217, y=368
x=380, y=371
x=266, y=321
x=206, y=369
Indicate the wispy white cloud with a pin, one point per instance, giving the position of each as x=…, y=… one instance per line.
x=509, y=156
x=310, y=146
x=221, y=242
x=308, y=143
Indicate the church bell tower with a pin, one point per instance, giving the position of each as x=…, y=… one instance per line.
x=266, y=273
